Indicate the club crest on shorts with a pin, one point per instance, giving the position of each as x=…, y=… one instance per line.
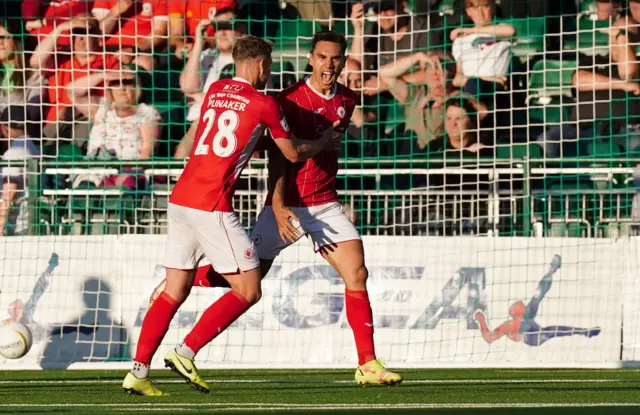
x=248, y=254
x=341, y=112
x=257, y=239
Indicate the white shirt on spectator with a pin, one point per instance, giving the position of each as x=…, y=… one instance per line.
x=120, y=136
x=482, y=55
x=211, y=65
x=20, y=149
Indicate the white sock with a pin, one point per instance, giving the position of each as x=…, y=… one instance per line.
x=141, y=371
x=184, y=351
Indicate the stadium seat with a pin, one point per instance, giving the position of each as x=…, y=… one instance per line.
x=552, y=78
x=530, y=35
x=589, y=40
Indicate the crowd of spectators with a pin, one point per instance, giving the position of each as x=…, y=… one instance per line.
x=73, y=73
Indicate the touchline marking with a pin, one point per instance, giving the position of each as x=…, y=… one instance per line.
x=273, y=406
x=414, y=381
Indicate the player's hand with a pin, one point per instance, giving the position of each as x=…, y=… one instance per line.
x=479, y=317
x=284, y=219
x=333, y=138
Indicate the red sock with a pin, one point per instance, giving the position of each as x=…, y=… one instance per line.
x=216, y=319
x=360, y=318
x=154, y=327
x=206, y=276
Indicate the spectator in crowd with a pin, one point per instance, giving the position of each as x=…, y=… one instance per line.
x=424, y=104
x=14, y=218
x=608, y=9
x=394, y=35
x=482, y=53
x=123, y=127
x=186, y=15
x=62, y=122
x=319, y=10
x=42, y=16
x=19, y=85
x=462, y=132
x=136, y=25
x=86, y=56
x=606, y=105
x=207, y=60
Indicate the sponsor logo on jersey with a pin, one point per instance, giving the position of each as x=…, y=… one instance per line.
x=233, y=87
x=341, y=112
x=248, y=254
x=257, y=239
x=319, y=111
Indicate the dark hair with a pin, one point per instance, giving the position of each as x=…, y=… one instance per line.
x=329, y=36
x=250, y=47
x=226, y=10
x=468, y=107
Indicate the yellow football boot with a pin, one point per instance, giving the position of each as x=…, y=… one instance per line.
x=374, y=373
x=135, y=386
x=186, y=369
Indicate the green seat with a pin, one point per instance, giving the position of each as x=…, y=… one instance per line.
x=530, y=33
x=552, y=77
x=589, y=39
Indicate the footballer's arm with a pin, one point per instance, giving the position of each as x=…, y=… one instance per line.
x=297, y=151
x=277, y=184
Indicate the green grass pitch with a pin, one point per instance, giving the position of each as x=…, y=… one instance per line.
x=467, y=391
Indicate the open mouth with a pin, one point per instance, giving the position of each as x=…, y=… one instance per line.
x=328, y=77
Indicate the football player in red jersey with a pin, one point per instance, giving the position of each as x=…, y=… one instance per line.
x=201, y=220
x=303, y=198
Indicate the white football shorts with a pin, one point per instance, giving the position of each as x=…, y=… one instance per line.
x=194, y=235
x=325, y=224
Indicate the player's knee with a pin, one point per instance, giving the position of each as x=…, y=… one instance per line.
x=251, y=294
x=358, y=278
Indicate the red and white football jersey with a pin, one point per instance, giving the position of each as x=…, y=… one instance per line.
x=309, y=114
x=232, y=120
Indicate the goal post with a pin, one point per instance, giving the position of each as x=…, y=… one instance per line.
x=495, y=236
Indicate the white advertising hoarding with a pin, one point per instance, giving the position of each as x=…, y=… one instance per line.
x=567, y=299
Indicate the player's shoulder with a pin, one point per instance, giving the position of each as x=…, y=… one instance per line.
x=291, y=91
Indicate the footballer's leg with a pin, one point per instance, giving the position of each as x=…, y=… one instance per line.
x=339, y=243
x=183, y=252
x=268, y=247
x=233, y=257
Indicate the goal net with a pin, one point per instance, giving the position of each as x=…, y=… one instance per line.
x=490, y=167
